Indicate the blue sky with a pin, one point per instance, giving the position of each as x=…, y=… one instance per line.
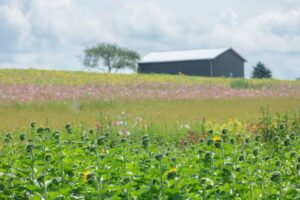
x=52, y=34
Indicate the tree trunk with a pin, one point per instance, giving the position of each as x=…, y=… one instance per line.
x=109, y=66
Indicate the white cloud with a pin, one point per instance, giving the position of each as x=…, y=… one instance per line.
x=13, y=18
x=54, y=32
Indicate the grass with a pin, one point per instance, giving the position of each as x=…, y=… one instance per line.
x=56, y=115
x=50, y=77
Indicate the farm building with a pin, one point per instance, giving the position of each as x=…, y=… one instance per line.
x=204, y=62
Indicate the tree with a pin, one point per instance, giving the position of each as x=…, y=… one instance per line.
x=112, y=57
x=261, y=71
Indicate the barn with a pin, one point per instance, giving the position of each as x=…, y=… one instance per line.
x=224, y=62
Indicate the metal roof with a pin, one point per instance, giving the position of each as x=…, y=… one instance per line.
x=173, y=56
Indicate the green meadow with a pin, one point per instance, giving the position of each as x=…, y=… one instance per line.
x=18, y=116
x=17, y=113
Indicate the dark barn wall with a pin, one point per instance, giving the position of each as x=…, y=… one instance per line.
x=228, y=64
x=196, y=68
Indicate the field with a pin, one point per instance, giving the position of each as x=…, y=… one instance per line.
x=79, y=135
x=54, y=98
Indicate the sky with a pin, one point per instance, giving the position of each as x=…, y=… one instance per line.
x=52, y=34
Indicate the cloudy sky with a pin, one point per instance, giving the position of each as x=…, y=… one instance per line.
x=51, y=34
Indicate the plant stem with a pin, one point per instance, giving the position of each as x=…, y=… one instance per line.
x=161, y=181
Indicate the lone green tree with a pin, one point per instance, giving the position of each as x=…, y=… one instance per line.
x=261, y=71
x=112, y=56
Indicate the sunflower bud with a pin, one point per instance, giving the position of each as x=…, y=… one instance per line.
x=275, y=177
x=293, y=154
x=257, y=138
x=282, y=126
x=41, y=178
x=287, y=142
x=208, y=156
x=48, y=157
x=200, y=151
x=23, y=137
x=158, y=157
x=267, y=158
x=278, y=163
x=33, y=125
x=242, y=157
x=255, y=152
x=92, y=149
x=40, y=130
x=29, y=148
x=56, y=135
x=101, y=140
x=69, y=128
x=126, y=180
x=9, y=136
x=218, y=145
x=276, y=139
x=225, y=131
x=123, y=140
x=145, y=142
x=201, y=141
x=209, y=142
x=247, y=140
x=47, y=130
x=293, y=136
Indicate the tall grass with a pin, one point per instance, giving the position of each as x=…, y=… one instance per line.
x=253, y=84
x=50, y=77
x=56, y=114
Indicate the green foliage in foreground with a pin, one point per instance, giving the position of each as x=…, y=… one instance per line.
x=118, y=161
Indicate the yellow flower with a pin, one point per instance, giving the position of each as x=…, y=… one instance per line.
x=172, y=173
x=216, y=138
x=85, y=176
x=172, y=170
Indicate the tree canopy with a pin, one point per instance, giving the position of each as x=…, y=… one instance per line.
x=261, y=71
x=112, y=57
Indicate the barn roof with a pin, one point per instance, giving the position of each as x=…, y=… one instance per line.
x=200, y=54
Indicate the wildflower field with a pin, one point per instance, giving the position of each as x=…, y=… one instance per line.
x=54, y=98
x=76, y=135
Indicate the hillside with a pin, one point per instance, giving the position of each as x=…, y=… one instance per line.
x=58, y=97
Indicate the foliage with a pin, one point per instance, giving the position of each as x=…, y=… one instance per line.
x=242, y=83
x=261, y=71
x=112, y=55
x=122, y=160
